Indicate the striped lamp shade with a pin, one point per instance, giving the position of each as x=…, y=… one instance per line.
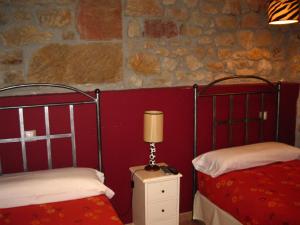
x=283, y=11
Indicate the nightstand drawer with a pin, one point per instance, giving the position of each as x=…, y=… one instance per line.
x=162, y=190
x=162, y=210
x=173, y=221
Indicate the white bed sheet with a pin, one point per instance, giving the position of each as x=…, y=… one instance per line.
x=211, y=214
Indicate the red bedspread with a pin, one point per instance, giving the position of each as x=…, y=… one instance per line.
x=266, y=195
x=88, y=211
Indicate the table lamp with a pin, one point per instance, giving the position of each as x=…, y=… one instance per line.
x=153, y=133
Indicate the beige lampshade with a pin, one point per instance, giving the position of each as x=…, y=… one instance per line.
x=153, y=126
x=283, y=11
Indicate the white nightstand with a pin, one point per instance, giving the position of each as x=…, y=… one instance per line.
x=155, y=199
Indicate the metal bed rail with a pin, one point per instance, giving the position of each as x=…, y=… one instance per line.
x=48, y=137
x=274, y=89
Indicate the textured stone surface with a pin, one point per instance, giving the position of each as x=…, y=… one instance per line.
x=258, y=53
x=168, y=2
x=208, y=8
x=180, y=51
x=215, y=66
x=11, y=77
x=169, y=64
x=13, y=57
x=190, y=31
x=68, y=35
x=232, y=7
x=200, y=20
x=245, y=71
x=159, y=29
x=78, y=64
x=224, y=53
x=204, y=40
x=257, y=5
x=180, y=14
x=263, y=38
x=99, y=20
x=264, y=67
x=225, y=39
x=251, y=21
x=143, y=8
x=22, y=15
x=23, y=36
x=226, y=22
x=145, y=63
x=193, y=62
x=190, y=3
x=245, y=39
x=3, y=18
x=134, y=29
x=54, y=18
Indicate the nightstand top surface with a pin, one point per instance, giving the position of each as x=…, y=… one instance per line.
x=148, y=176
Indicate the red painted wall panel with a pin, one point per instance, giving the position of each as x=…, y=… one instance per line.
x=122, y=133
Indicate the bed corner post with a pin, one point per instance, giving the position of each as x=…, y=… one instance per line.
x=99, y=142
x=196, y=93
x=278, y=110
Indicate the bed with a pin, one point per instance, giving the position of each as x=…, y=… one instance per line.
x=253, y=180
x=65, y=183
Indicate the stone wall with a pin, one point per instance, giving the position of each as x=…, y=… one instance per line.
x=115, y=44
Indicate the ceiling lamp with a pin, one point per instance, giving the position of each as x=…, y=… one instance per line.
x=283, y=11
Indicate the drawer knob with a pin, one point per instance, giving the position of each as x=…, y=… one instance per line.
x=162, y=191
x=163, y=210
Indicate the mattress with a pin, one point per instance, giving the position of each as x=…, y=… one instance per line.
x=96, y=210
x=266, y=195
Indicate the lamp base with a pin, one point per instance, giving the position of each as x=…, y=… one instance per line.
x=152, y=167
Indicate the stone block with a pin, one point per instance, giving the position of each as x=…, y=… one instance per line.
x=208, y=8
x=145, y=63
x=134, y=29
x=204, y=40
x=200, y=20
x=180, y=14
x=232, y=7
x=99, y=20
x=190, y=31
x=22, y=15
x=190, y=3
x=54, y=18
x=68, y=35
x=193, y=63
x=11, y=77
x=13, y=57
x=77, y=64
x=224, y=53
x=143, y=8
x=264, y=67
x=169, y=64
x=159, y=29
x=225, y=39
x=252, y=21
x=215, y=66
x=3, y=18
x=263, y=38
x=226, y=22
x=245, y=39
x=24, y=35
x=168, y=2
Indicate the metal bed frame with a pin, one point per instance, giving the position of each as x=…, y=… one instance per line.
x=274, y=88
x=48, y=136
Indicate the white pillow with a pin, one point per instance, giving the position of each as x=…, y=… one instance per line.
x=224, y=160
x=54, y=185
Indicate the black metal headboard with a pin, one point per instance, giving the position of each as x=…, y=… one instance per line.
x=204, y=92
x=48, y=137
